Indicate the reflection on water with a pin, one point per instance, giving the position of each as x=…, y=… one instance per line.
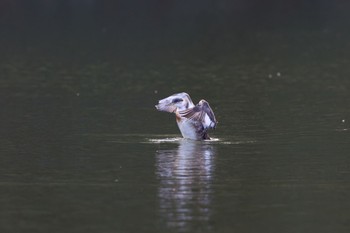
x=185, y=175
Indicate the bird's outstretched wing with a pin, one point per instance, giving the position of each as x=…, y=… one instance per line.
x=201, y=112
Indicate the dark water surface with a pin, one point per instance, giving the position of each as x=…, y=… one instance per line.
x=83, y=149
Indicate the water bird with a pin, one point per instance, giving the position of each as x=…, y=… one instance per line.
x=193, y=120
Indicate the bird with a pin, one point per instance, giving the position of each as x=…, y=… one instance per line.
x=193, y=120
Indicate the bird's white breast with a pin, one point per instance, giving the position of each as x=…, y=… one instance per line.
x=187, y=129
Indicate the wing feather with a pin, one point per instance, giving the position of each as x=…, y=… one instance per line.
x=207, y=109
x=192, y=113
x=199, y=113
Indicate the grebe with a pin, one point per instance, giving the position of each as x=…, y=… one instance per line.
x=193, y=120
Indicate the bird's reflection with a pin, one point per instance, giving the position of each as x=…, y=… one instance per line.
x=185, y=192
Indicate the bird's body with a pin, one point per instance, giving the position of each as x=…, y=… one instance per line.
x=192, y=120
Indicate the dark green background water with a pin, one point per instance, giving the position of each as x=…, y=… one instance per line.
x=83, y=149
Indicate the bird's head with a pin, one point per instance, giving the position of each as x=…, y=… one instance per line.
x=176, y=102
